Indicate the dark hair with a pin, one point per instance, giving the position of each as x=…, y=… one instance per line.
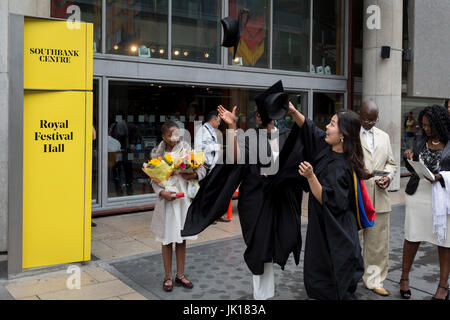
x=211, y=115
x=439, y=121
x=446, y=103
x=168, y=125
x=349, y=125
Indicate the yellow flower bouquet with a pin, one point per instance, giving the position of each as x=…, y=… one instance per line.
x=189, y=162
x=159, y=169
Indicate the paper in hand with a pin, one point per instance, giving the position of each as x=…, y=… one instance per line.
x=421, y=170
x=380, y=173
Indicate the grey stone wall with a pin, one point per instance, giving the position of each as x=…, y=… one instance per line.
x=382, y=78
x=429, y=70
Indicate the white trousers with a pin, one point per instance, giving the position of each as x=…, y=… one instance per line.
x=264, y=285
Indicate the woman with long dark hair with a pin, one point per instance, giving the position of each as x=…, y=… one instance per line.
x=424, y=219
x=333, y=263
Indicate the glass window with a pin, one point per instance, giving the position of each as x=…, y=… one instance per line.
x=138, y=110
x=291, y=35
x=253, y=49
x=325, y=105
x=136, y=113
x=137, y=28
x=91, y=11
x=300, y=101
x=328, y=37
x=95, y=142
x=358, y=27
x=196, y=30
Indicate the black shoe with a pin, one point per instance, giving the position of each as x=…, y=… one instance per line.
x=446, y=297
x=93, y=224
x=187, y=285
x=166, y=287
x=406, y=294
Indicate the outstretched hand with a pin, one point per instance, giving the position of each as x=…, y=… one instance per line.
x=228, y=117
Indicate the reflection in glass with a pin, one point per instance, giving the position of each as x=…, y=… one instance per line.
x=253, y=50
x=196, y=30
x=91, y=11
x=325, y=105
x=291, y=35
x=137, y=28
x=95, y=141
x=328, y=37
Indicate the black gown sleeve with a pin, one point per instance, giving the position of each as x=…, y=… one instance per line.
x=213, y=198
x=313, y=139
x=336, y=191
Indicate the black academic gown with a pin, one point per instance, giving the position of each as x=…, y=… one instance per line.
x=269, y=208
x=333, y=264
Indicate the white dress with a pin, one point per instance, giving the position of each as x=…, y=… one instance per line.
x=419, y=218
x=176, y=211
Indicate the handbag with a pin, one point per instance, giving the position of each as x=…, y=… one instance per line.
x=365, y=212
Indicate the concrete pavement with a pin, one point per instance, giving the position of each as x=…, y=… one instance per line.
x=127, y=264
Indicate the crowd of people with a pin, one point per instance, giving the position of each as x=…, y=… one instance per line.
x=325, y=164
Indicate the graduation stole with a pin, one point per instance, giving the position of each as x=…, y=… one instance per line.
x=365, y=212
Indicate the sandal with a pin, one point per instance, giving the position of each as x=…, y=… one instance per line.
x=166, y=287
x=406, y=294
x=187, y=285
x=446, y=298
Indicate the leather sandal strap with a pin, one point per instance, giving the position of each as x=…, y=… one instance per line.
x=446, y=288
x=406, y=279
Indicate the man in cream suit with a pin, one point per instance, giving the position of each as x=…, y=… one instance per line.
x=375, y=240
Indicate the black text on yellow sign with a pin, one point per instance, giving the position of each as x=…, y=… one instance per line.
x=54, y=55
x=55, y=138
x=57, y=168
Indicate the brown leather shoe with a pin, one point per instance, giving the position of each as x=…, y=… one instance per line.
x=166, y=287
x=381, y=291
x=187, y=285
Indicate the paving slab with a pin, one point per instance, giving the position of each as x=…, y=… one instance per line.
x=219, y=272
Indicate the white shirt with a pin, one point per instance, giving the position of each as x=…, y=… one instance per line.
x=206, y=141
x=368, y=135
x=113, y=144
x=274, y=145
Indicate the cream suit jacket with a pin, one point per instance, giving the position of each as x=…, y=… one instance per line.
x=381, y=159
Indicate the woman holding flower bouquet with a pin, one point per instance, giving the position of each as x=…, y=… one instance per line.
x=172, y=204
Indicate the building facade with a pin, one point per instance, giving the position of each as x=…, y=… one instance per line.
x=158, y=60
x=161, y=59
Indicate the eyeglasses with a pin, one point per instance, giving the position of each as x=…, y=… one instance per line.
x=369, y=121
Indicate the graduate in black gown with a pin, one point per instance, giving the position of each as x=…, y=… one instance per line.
x=269, y=203
x=333, y=264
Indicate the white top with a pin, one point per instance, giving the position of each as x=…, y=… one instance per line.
x=275, y=146
x=206, y=141
x=368, y=135
x=175, y=211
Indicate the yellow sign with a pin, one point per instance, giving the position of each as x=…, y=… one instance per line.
x=56, y=57
x=56, y=177
x=57, y=143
